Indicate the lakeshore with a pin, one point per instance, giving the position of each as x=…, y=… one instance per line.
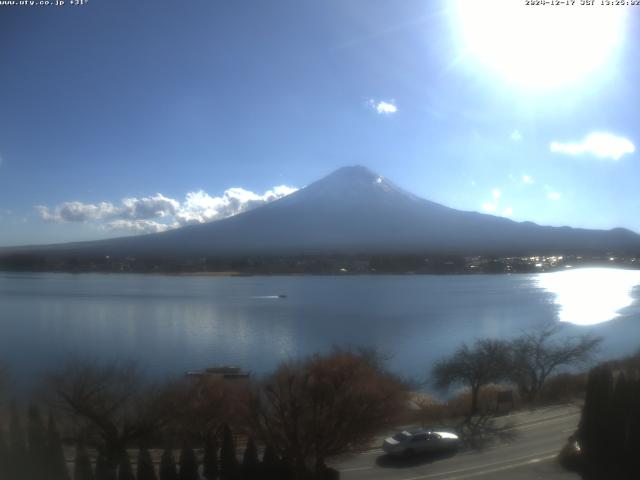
x=356, y=264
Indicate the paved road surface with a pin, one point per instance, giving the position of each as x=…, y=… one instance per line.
x=530, y=455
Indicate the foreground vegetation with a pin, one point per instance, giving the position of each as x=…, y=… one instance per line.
x=607, y=441
x=121, y=426
x=302, y=414
x=526, y=362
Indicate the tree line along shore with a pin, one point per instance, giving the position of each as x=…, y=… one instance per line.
x=316, y=264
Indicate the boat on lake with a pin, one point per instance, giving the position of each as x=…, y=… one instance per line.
x=226, y=372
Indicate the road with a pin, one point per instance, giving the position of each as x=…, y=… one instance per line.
x=539, y=436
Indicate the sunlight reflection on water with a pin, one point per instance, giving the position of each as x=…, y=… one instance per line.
x=588, y=296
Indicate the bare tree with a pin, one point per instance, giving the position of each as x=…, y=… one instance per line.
x=4, y=379
x=201, y=405
x=536, y=355
x=474, y=367
x=325, y=405
x=112, y=402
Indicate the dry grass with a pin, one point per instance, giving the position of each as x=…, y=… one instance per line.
x=429, y=410
x=563, y=388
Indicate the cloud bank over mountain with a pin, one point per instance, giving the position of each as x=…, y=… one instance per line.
x=158, y=213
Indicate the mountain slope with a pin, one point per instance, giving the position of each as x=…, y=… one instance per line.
x=354, y=210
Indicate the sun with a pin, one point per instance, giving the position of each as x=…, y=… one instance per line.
x=538, y=47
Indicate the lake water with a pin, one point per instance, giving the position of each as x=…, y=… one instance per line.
x=170, y=324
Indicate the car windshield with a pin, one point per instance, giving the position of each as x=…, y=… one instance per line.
x=401, y=437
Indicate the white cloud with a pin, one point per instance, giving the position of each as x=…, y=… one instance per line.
x=159, y=213
x=137, y=226
x=494, y=206
x=528, y=179
x=382, y=107
x=489, y=207
x=598, y=144
x=200, y=207
x=130, y=208
x=516, y=136
x=77, y=212
x=149, y=207
x=554, y=195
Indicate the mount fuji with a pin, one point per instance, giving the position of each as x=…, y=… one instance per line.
x=354, y=210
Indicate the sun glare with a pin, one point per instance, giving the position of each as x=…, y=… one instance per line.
x=538, y=47
x=587, y=296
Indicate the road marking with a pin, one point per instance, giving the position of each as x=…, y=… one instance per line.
x=554, y=452
x=525, y=426
x=536, y=423
x=524, y=460
x=506, y=467
x=355, y=469
x=371, y=452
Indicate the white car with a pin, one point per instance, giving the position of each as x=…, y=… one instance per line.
x=411, y=442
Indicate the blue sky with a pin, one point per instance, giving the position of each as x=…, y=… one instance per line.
x=119, y=117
